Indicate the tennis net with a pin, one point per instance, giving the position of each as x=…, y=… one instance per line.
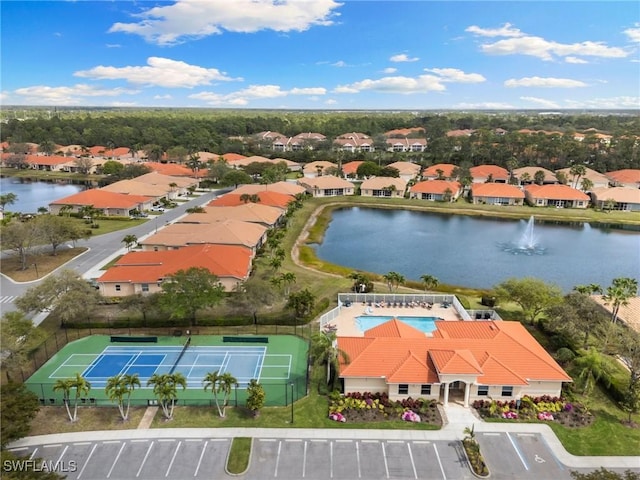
x=184, y=349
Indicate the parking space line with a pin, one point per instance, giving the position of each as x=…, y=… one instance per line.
x=525, y=434
x=292, y=439
x=195, y=474
x=217, y=439
x=344, y=441
x=172, y=459
x=275, y=473
x=413, y=465
x=111, y=441
x=33, y=454
x=515, y=447
x=166, y=440
x=319, y=440
x=421, y=442
x=358, y=458
x=95, y=445
x=492, y=434
x=145, y=459
x=193, y=440
x=19, y=449
x=384, y=455
x=435, y=448
x=267, y=439
x=82, y=443
x=116, y=460
x=370, y=441
x=395, y=441
x=560, y=464
x=138, y=440
x=52, y=445
x=304, y=460
x=331, y=460
x=62, y=454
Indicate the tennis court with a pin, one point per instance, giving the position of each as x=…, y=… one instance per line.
x=276, y=364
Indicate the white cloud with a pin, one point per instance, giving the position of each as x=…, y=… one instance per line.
x=398, y=84
x=484, y=106
x=541, y=101
x=44, y=95
x=403, y=57
x=574, y=60
x=544, y=82
x=308, y=91
x=339, y=63
x=113, y=45
x=506, y=30
x=606, y=103
x=162, y=97
x=389, y=70
x=330, y=101
x=254, y=92
x=188, y=19
x=455, y=75
x=161, y=72
x=633, y=33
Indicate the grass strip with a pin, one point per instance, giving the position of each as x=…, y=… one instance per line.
x=239, y=455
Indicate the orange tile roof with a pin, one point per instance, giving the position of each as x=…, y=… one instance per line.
x=350, y=168
x=549, y=176
x=48, y=159
x=435, y=186
x=288, y=188
x=103, y=199
x=483, y=171
x=619, y=194
x=148, y=267
x=268, y=197
x=499, y=353
x=230, y=157
x=175, y=170
x=432, y=171
x=405, y=167
x=394, y=328
x=327, y=181
x=628, y=175
x=502, y=190
x=225, y=232
x=246, y=212
x=555, y=192
x=378, y=183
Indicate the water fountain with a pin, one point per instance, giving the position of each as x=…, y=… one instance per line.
x=528, y=243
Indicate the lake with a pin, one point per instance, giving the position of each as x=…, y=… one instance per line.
x=35, y=194
x=477, y=252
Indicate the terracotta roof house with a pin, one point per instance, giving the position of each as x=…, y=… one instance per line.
x=408, y=170
x=433, y=172
x=436, y=190
x=489, y=360
x=272, y=199
x=496, y=194
x=460, y=133
x=317, y=168
x=405, y=132
x=175, y=170
x=625, y=199
x=354, y=142
x=549, y=176
x=291, y=165
x=383, y=187
x=625, y=178
x=243, y=162
x=327, y=186
x=132, y=186
x=144, y=272
x=288, y=188
x=406, y=144
x=559, y=196
x=230, y=157
x=629, y=314
x=226, y=232
x=302, y=141
x=489, y=173
x=208, y=156
x=598, y=179
x=50, y=163
x=350, y=169
x=246, y=212
x=267, y=135
x=109, y=203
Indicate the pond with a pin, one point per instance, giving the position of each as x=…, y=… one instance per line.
x=34, y=194
x=477, y=252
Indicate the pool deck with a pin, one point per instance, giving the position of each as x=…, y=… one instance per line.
x=346, y=320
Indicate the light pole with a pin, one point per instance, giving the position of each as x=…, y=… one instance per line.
x=291, y=384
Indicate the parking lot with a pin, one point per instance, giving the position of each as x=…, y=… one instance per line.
x=508, y=455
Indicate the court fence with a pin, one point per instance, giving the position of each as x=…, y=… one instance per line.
x=54, y=343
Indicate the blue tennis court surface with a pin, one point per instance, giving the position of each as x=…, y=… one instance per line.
x=243, y=362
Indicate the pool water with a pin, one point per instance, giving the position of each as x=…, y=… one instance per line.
x=424, y=324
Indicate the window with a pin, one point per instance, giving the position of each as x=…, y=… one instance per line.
x=425, y=390
x=403, y=389
x=483, y=390
x=507, y=391
x=117, y=288
x=145, y=287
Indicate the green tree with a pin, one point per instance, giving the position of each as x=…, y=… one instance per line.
x=120, y=386
x=576, y=317
x=21, y=238
x=58, y=230
x=586, y=185
x=18, y=407
x=288, y=279
x=429, y=281
x=153, y=152
x=145, y=304
x=618, y=294
x=324, y=351
x=394, y=280
x=592, y=367
x=19, y=337
x=67, y=293
x=217, y=169
x=631, y=401
x=187, y=291
x=7, y=199
x=47, y=147
x=235, y=178
x=112, y=167
x=256, y=397
x=367, y=169
x=577, y=171
x=82, y=388
x=538, y=177
x=302, y=303
x=129, y=241
x=165, y=388
x=361, y=282
x=604, y=474
x=220, y=383
x=533, y=295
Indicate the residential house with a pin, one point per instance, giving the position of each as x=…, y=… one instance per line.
x=460, y=133
x=302, y=141
x=291, y=165
x=406, y=144
x=318, y=168
x=436, y=190
x=232, y=157
x=267, y=197
x=132, y=186
x=407, y=170
x=628, y=177
x=598, y=179
x=246, y=212
x=176, y=170
x=226, y=232
x=350, y=169
x=383, y=187
x=489, y=173
x=50, y=163
x=496, y=194
x=287, y=188
x=526, y=175
x=246, y=161
x=625, y=199
x=143, y=272
x=327, y=186
x=439, y=171
x=405, y=132
x=559, y=196
x=354, y=142
x=489, y=360
x=108, y=203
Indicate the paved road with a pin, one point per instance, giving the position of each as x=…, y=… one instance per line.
x=102, y=249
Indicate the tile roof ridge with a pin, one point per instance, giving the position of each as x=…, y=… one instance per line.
x=503, y=365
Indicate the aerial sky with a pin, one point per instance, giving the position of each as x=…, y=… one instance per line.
x=321, y=54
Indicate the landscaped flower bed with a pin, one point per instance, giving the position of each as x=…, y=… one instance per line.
x=545, y=408
x=376, y=407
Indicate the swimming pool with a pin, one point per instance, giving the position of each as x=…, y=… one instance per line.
x=424, y=324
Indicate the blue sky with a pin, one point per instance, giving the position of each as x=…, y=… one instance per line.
x=321, y=54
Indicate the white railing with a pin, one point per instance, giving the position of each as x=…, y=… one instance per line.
x=327, y=318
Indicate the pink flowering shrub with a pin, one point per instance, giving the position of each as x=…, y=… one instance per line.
x=337, y=417
x=510, y=415
x=410, y=416
x=545, y=416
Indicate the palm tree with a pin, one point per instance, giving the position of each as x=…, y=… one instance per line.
x=117, y=387
x=394, y=280
x=220, y=383
x=82, y=387
x=212, y=379
x=619, y=293
x=586, y=185
x=245, y=198
x=577, y=171
x=592, y=368
x=429, y=282
x=7, y=199
x=64, y=385
x=165, y=388
x=225, y=385
x=324, y=350
x=288, y=279
x=129, y=241
x=525, y=178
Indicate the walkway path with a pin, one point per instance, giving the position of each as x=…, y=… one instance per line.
x=147, y=418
